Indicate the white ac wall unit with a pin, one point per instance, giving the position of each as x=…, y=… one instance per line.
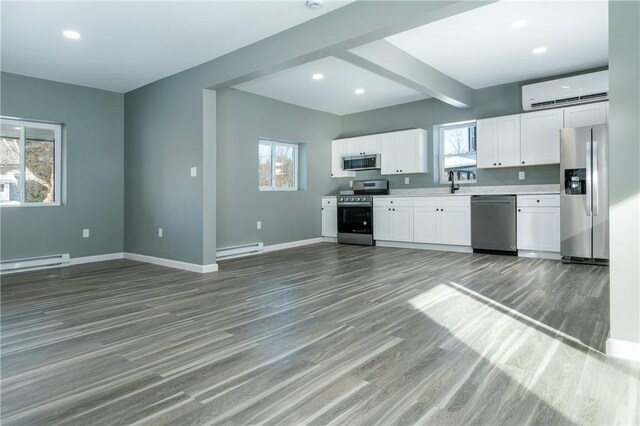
x=578, y=89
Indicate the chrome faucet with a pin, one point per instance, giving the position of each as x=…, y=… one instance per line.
x=454, y=186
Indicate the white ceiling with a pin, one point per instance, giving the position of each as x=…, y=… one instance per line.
x=127, y=44
x=335, y=93
x=480, y=49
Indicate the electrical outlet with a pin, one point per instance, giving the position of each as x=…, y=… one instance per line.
x=160, y=232
x=350, y=184
x=194, y=171
x=85, y=233
x=259, y=225
x=521, y=175
x=406, y=180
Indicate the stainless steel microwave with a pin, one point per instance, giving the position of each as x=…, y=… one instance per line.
x=361, y=162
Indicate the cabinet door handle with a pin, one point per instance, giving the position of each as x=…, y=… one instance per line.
x=441, y=210
x=523, y=162
x=394, y=210
x=519, y=210
x=499, y=164
x=494, y=164
x=437, y=210
x=537, y=201
x=389, y=209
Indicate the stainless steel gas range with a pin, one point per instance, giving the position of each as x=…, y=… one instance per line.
x=355, y=212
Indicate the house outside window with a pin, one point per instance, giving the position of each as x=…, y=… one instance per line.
x=30, y=163
x=277, y=165
x=458, y=152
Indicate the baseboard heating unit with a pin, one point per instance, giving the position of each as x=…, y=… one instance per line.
x=238, y=251
x=18, y=265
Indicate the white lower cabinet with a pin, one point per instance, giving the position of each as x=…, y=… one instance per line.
x=425, y=224
x=430, y=220
x=539, y=223
x=393, y=219
x=454, y=226
x=329, y=217
x=442, y=220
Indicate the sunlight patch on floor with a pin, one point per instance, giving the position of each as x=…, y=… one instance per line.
x=562, y=372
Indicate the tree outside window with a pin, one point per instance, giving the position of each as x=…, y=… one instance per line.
x=458, y=152
x=29, y=163
x=277, y=166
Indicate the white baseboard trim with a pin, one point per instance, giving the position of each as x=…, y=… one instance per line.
x=330, y=239
x=623, y=349
x=424, y=246
x=97, y=258
x=551, y=255
x=185, y=266
x=292, y=244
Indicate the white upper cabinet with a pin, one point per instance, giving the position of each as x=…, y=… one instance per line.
x=364, y=145
x=498, y=142
x=339, y=148
x=586, y=115
x=540, y=137
x=532, y=138
x=404, y=152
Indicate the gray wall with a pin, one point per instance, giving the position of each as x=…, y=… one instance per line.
x=624, y=151
x=164, y=139
x=92, y=171
x=489, y=102
x=286, y=216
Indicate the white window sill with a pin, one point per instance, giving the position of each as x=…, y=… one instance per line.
x=30, y=205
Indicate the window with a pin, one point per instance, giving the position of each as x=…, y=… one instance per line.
x=458, y=152
x=29, y=163
x=277, y=166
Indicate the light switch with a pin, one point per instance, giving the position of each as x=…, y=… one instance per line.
x=521, y=175
x=194, y=171
x=160, y=232
x=259, y=225
x=406, y=180
x=85, y=233
x=350, y=184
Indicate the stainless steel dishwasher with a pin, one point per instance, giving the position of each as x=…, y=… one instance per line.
x=493, y=224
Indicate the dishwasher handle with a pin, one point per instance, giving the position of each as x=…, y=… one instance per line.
x=493, y=200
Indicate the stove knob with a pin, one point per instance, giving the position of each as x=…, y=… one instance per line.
x=341, y=198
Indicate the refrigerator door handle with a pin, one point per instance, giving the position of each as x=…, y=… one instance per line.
x=594, y=180
x=587, y=199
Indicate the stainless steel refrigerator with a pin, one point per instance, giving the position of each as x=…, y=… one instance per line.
x=584, y=194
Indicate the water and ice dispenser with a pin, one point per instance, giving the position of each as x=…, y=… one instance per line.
x=575, y=181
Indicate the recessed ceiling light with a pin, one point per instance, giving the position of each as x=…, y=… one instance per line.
x=520, y=23
x=73, y=35
x=565, y=87
x=318, y=76
x=359, y=91
x=314, y=4
x=539, y=50
x=16, y=128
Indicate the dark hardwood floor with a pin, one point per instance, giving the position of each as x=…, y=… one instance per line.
x=324, y=334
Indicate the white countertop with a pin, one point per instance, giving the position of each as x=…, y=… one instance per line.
x=468, y=194
x=443, y=191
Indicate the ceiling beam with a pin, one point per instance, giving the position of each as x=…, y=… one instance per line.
x=387, y=60
x=353, y=25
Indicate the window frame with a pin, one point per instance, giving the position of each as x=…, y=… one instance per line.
x=296, y=165
x=441, y=154
x=57, y=161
